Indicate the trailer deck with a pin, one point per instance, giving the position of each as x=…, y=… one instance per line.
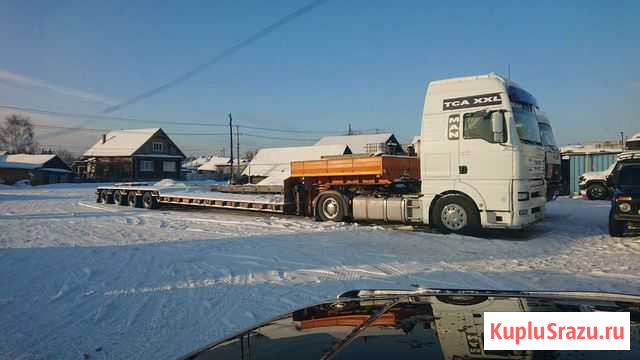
x=194, y=195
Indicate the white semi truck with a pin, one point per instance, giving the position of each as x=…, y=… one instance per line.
x=481, y=164
x=553, y=159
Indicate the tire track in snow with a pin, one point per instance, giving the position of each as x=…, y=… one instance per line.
x=301, y=276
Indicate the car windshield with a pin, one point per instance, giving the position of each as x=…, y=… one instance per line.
x=629, y=175
x=526, y=123
x=546, y=133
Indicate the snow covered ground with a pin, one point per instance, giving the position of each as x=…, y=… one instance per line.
x=83, y=279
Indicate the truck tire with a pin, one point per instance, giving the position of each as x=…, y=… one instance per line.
x=149, y=201
x=616, y=227
x=331, y=206
x=597, y=191
x=456, y=214
x=119, y=198
x=105, y=197
x=133, y=199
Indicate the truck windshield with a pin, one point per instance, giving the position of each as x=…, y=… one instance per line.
x=526, y=123
x=546, y=133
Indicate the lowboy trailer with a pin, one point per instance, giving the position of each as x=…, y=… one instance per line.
x=296, y=196
x=480, y=164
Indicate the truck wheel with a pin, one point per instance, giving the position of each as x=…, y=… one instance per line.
x=105, y=197
x=133, y=199
x=119, y=199
x=597, y=192
x=331, y=207
x=616, y=227
x=149, y=201
x=457, y=214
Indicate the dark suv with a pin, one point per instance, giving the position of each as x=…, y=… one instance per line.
x=625, y=205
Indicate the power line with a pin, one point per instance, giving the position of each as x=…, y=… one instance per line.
x=174, y=133
x=216, y=59
x=101, y=117
x=278, y=138
x=129, y=119
x=289, y=131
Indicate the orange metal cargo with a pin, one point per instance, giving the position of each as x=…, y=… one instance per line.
x=388, y=168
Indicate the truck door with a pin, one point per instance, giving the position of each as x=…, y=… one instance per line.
x=484, y=164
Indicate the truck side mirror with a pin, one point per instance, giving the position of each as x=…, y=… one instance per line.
x=497, y=126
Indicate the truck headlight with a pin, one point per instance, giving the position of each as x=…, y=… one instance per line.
x=624, y=207
x=523, y=196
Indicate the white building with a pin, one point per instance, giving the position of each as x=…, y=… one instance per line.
x=273, y=165
x=366, y=143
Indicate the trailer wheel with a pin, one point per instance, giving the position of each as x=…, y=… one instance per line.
x=457, y=214
x=331, y=207
x=133, y=199
x=119, y=198
x=149, y=201
x=105, y=197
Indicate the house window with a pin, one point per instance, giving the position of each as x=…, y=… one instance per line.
x=169, y=166
x=146, y=165
x=157, y=147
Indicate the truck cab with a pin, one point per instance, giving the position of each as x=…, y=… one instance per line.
x=481, y=153
x=552, y=159
x=625, y=204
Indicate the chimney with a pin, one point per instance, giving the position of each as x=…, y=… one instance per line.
x=104, y=138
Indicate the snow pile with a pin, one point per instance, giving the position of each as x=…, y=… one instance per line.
x=168, y=183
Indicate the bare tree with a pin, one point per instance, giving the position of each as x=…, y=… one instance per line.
x=67, y=156
x=16, y=134
x=249, y=154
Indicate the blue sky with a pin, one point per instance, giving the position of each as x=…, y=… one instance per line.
x=361, y=62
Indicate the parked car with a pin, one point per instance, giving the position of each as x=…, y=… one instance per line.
x=594, y=184
x=421, y=324
x=625, y=205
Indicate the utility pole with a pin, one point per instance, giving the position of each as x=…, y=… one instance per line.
x=509, y=71
x=238, y=149
x=349, y=131
x=231, y=146
x=622, y=140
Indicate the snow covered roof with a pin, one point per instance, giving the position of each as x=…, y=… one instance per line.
x=27, y=161
x=196, y=163
x=24, y=161
x=357, y=143
x=276, y=162
x=213, y=162
x=587, y=149
x=121, y=142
